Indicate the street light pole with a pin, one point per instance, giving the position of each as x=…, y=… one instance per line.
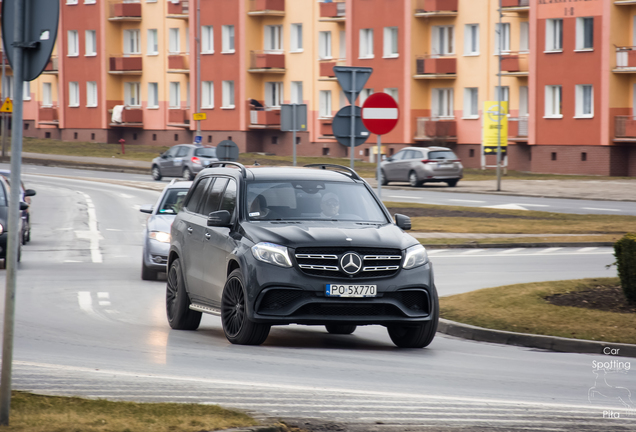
x=499, y=97
x=198, y=57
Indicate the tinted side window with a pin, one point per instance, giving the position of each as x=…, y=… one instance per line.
x=172, y=151
x=229, y=197
x=399, y=156
x=410, y=155
x=183, y=151
x=418, y=154
x=214, y=196
x=197, y=195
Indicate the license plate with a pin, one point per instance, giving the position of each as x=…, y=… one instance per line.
x=334, y=290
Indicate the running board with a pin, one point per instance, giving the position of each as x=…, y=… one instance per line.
x=206, y=309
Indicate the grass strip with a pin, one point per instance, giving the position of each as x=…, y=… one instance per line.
x=36, y=413
x=511, y=240
x=522, y=308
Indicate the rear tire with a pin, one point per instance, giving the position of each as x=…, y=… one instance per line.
x=452, y=183
x=147, y=273
x=384, y=181
x=237, y=326
x=418, y=336
x=342, y=329
x=414, y=181
x=187, y=174
x=180, y=316
x=156, y=173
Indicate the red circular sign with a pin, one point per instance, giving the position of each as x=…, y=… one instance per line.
x=380, y=113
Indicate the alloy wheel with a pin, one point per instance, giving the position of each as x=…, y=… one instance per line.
x=172, y=293
x=233, y=307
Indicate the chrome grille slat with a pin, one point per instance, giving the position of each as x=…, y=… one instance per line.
x=325, y=261
x=318, y=267
x=382, y=257
x=316, y=256
x=381, y=268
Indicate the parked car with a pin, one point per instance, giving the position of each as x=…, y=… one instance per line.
x=265, y=246
x=419, y=165
x=157, y=233
x=25, y=195
x=4, y=218
x=183, y=160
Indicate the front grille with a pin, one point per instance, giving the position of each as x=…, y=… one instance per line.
x=413, y=300
x=377, y=262
x=348, y=310
x=277, y=299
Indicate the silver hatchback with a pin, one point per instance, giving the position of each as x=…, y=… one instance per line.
x=419, y=165
x=183, y=160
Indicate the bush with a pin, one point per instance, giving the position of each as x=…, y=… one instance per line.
x=625, y=253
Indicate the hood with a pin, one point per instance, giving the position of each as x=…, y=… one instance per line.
x=311, y=234
x=160, y=222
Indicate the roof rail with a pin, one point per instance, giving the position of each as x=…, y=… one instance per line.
x=223, y=164
x=354, y=175
x=172, y=181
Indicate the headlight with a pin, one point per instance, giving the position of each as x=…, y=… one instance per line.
x=160, y=236
x=272, y=253
x=415, y=256
x=1, y=229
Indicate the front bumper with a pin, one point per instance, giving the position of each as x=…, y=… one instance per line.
x=156, y=254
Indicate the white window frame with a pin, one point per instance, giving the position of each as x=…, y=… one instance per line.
x=524, y=109
x=391, y=42
x=131, y=42
x=228, y=95
x=90, y=40
x=273, y=38
x=207, y=95
x=471, y=40
x=227, y=39
x=581, y=33
x=505, y=94
x=443, y=40
x=366, y=44
x=297, y=92
x=71, y=2
x=274, y=94
x=442, y=104
x=296, y=38
x=153, y=95
x=132, y=94
x=503, y=37
x=471, y=103
x=73, y=94
x=90, y=1
x=584, y=101
x=207, y=39
x=174, y=92
x=26, y=90
x=73, y=43
x=364, y=94
x=342, y=41
x=174, y=40
x=325, y=108
x=554, y=35
x=47, y=94
x=7, y=91
x=324, y=45
x=553, y=101
x=91, y=94
x=524, y=36
x=393, y=92
x=152, y=44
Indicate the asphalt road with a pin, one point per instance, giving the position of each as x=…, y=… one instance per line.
x=88, y=325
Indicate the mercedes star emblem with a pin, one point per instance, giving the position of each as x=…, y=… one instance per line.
x=351, y=263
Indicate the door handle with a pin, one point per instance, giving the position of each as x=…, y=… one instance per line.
x=189, y=229
x=208, y=236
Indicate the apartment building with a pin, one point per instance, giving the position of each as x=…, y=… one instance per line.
x=568, y=74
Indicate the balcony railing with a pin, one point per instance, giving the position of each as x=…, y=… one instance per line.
x=178, y=62
x=267, y=61
x=436, y=7
x=515, y=4
x=179, y=116
x=127, y=10
x=178, y=8
x=625, y=127
x=48, y=114
x=625, y=59
x=435, y=66
x=52, y=66
x=333, y=10
x=430, y=128
x=126, y=64
x=518, y=127
x=131, y=116
x=326, y=67
x=515, y=63
x=265, y=117
x=267, y=7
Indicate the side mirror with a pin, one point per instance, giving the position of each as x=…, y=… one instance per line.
x=29, y=192
x=403, y=221
x=389, y=159
x=23, y=206
x=146, y=208
x=220, y=218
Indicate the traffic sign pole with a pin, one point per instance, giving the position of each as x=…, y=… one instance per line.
x=294, y=114
x=379, y=169
x=353, y=115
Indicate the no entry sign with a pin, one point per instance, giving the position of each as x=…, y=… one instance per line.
x=380, y=113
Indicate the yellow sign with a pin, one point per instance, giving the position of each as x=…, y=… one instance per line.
x=495, y=120
x=199, y=116
x=7, y=106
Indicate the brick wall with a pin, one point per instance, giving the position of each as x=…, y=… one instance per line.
x=569, y=160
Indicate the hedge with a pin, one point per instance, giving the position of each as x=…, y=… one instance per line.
x=625, y=253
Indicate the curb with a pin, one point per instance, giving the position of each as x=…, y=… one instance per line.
x=516, y=245
x=551, y=343
x=271, y=428
x=84, y=165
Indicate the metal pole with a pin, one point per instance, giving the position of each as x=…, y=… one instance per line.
x=353, y=114
x=198, y=48
x=294, y=116
x=3, y=116
x=379, y=170
x=14, y=218
x=499, y=91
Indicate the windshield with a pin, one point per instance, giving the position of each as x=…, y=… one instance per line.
x=172, y=201
x=209, y=152
x=312, y=200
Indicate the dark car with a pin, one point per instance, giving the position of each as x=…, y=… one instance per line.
x=183, y=160
x=25, y=196
x=267, y=246
x=4, y=218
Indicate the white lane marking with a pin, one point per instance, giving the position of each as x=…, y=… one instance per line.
x=601, y=209
x=113, y=229
x=461, y=200
x=507, y=251
x=402, y=196
x=71, y=261
x=535, y=205
x=548, y=250
x=104, y=303
x=136, y=207
x=85, y=301
x=380, y=113
x=123, y=195
x=93, y=235
x=473, y=251
x=587, y=249
x=494, y=255
x=434, y=251
x=506, y=207
x=103, y=295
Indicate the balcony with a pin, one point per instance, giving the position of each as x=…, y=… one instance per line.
x=326, y=128
x=130, y=117
x=333, y=11
x=179, y=9
x=624, y=2
x=624, y=129
x=122, y=65
x=625, y=59
x=515, y=5
x=518, y=129
x=435, y=129
x=178, y=117
x=267, y=8
x=178, y=63
x=326, y=72
x=267, y=62
x=124, y=10
x=48, y=115
x=515, y=64
x=435, y=67
x=51, y=67
x=434, y=8
x=265, y=118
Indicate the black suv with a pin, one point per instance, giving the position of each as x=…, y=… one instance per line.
x=263, y=246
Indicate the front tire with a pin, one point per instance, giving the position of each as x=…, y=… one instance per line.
x=342, y=329
x=180, y=316
x=156, y=173
x=418, y=336
x=414, y=181
x=237, y=326
x=187, y=174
